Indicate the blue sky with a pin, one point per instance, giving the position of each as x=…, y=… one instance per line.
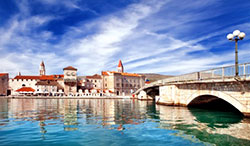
x=149, y=36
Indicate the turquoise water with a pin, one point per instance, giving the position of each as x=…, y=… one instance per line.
x=116, y=122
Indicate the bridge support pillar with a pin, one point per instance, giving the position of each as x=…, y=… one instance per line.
x=168, y=96
x=143, y=96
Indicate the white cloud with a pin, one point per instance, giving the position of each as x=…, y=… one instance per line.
x=100, y=48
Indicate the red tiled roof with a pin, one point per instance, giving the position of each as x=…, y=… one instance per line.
x=43, y=77
x=3, y=74
x=96, y=76
x=120, y=63
x=47, y=77
x=26, y=89
x=69, y=68
x=28, y=77
x=130, y=74
x=122, y=73
x=105, y=73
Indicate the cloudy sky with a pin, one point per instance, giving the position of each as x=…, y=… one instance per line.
x=149, y=36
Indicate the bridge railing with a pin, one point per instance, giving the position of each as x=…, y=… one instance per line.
x=226, y=72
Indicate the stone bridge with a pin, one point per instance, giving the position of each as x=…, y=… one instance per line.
x=203, y=87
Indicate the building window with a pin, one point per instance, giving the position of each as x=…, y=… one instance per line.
x=95, y=81
x=105, y=85
x=117, y=84
x=23, y=85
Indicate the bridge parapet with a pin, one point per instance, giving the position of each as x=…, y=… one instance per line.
x=221, y=73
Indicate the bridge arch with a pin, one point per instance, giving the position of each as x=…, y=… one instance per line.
x=228, y=98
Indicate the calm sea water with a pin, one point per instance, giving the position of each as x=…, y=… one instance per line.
x=116, y=122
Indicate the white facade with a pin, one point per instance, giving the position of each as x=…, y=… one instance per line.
x=17, y=83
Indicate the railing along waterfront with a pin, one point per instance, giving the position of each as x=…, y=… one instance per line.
x=221, y=73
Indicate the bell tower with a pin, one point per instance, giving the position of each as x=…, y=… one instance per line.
x=120, y=67
x=42, y=69
x=70, y=80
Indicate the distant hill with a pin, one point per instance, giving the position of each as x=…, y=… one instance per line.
x=154, y=77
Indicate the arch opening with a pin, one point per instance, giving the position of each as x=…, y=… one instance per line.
x=211, y=102
x=152, y=92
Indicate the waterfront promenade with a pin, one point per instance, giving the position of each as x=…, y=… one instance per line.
x=65, y=97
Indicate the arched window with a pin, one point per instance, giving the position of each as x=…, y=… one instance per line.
x=23, y=85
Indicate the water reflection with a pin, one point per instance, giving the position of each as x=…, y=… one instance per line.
x=208, y=125
x=216, y=119
x=73, y=112
x=76, y=115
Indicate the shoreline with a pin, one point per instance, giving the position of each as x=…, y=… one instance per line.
x=65, y=97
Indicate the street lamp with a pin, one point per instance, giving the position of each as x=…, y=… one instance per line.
x=236, y=36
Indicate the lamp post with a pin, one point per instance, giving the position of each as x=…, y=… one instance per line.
x=236, y=36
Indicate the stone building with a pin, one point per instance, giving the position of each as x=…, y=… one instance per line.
x=4, y=77
x=20, y=81
x=35, y=82
x=48, y=87
x=93, y=82
x=37, y=85
x=120, y=82
x=70, y=80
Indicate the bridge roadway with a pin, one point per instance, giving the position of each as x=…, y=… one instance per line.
x=203, y=87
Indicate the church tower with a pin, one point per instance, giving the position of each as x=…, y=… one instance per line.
x=42, y=68
x=120, y=67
